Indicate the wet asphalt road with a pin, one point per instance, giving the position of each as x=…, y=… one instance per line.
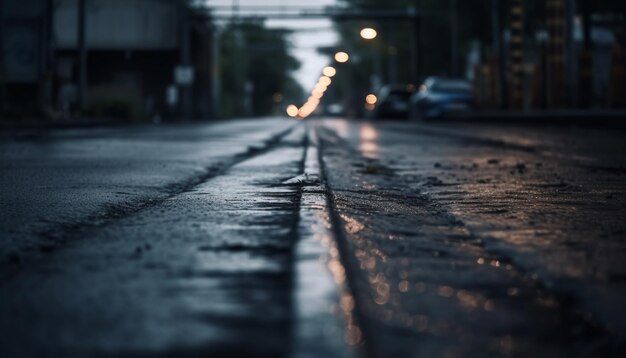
x=325, y=238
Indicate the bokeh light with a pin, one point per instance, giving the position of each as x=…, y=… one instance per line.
x=325, y=81
x=368, y=33
x=342, y=57
x=329, y=71
x=320, y=88
x=292, y=110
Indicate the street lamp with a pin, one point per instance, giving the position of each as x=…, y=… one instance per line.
x=292, y=110
x=325, y=81
x=342, y=57
x=368, y=33
x=320, y=88
x=329, y=71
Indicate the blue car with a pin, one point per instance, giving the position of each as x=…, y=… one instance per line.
x=439, y=96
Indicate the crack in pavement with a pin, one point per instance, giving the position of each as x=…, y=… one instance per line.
x=392, y=271
x=367, y=340
x=325, y=324
x=207, y=272
x=61, y=233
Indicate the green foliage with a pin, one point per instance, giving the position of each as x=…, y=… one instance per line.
x=256, y=60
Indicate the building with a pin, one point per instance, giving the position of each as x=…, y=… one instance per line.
x=25, y=60
x=142, y=58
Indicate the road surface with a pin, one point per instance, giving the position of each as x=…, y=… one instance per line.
x=325, y=237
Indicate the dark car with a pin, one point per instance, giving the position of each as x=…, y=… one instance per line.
x=393, y=101
x=439, y=96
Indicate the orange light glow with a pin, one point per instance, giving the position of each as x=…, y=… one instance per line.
x=342, y=57
x=292, y=110
x=329, y=71
x=368, y=33
x=320, y=88
x=369, y=143
x=368, y=133
x=313, y=100
x=371, y=99
x=325, y=81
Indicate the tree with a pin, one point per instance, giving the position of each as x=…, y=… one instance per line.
x=256, y=66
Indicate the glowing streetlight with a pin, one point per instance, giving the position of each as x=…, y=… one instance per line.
x=320, y=88
x=368, y=33
x=325, y=81
x=342, y=57
x=329, y=71
x=313, y=101
x=371, y=99
x=292, y=110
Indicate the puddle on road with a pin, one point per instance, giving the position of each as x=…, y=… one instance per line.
x=368, y=141
x=324, y=304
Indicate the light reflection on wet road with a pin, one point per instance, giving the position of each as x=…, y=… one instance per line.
x=197, y=274
x=472, y=240
x=402, y=240
x=369, y=144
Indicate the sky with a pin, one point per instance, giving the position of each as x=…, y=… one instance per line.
x=311, y=33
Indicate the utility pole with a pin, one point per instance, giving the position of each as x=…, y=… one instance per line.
x=215, y=73
x=3, y=74
x=392, y=52
x=185, y=59
x=416, y=43
x=82, y=56
x=503, y=87
x=238, y=78
x=586, y=59
x=377, y=79
x=570, y=52
x=47, y=55
x=454, y=39
x=516, y=47
x=499, y=66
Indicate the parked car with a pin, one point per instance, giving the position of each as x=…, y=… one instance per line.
x=439, y=96
x=393, y=101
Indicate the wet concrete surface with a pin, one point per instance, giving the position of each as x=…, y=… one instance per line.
x=201, y=273
x=326, y=238
x=56, y=181
x=324, y=305
x=481, y=240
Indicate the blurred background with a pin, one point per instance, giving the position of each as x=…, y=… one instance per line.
x=167, y=60
x=460, y=192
